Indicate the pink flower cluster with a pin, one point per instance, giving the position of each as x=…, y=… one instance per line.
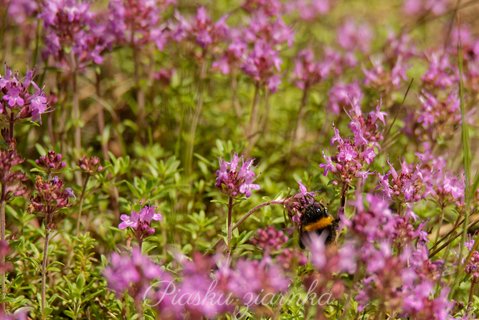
x=140, y=222
x=218, y=285
x=393, y=253
x=236, y=177
x=406, y=185
x=354, y=154
x=21, y=98
x=72, y=35
x=133, y=274
x=269, y=239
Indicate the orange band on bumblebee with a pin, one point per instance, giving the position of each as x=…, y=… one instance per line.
x=320, y=224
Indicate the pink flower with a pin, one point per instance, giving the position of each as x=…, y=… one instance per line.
x=236, y=177
x=133, y=274
x=140, y=222
x=263, y=65
x=354, y=36
x=342, y=96
x=269, y=239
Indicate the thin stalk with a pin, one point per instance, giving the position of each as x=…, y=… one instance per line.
x=441, y=218
x=76, y=116
x=457, y=223
x=12, y=125
x=76, y=110
x=230, y=218
x=37, y=41
x=140, y=95
x=471, y=294
x=139, y=309
x=196, y=117
x=253, y=114
x=234, y=96
x=350, y=297
x=44, y=273
x=436, y=251
x=3, y=203
x=3, y=27
x=101, y=120
x=82, y=198
x=248, y=214
x=253, y=210
x=466, y=151
x=301, y=114
x=344, y=189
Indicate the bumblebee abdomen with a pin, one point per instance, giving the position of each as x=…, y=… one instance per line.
x=315, y=218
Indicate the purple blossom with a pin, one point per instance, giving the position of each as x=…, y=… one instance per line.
x=419, y=7
x=299, y=202
x=140, y=222
x=269, y=7
x=200, y=283
x=263, y=28
x=310, y=9
x=307, y=71
x=21, y=10
x=236, y=177
x=437, y=117
x=137, y=22
x=269, y=239
x=70, y=25
x=233, y=56
x=441, y=73
x=49, y=198
x=341, y=96
x=133, y=274
x=252, y=279
x=90, y=165
x=354, y=36
x=472, y=266
x=51, y=161
x=18, y=97
x=353, y=154
x=263, y=65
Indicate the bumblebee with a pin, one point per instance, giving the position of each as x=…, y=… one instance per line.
x=316, y=218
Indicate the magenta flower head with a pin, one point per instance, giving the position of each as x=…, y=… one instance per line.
x=90, y=165
x=133, y=274
x=236, y=177
x=51, y=161
x=263, y=65
x=269, y=239
x=252, y=279
x=140, y=222
x=299, y=202
x=21, y=98
x=11, y=178
x=49, y=198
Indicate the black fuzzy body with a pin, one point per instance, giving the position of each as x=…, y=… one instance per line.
x=313, y=214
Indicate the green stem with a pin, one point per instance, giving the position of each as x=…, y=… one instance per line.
x=466, y=151
x=249, y=213
x=230, y=218
x=301, y=114
x=82, y=198
x=196, y=118
x=2, y=237
x=441, y=218
x=139, y=309
x=471, y=294
x=250, y=131
x=44, y=273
